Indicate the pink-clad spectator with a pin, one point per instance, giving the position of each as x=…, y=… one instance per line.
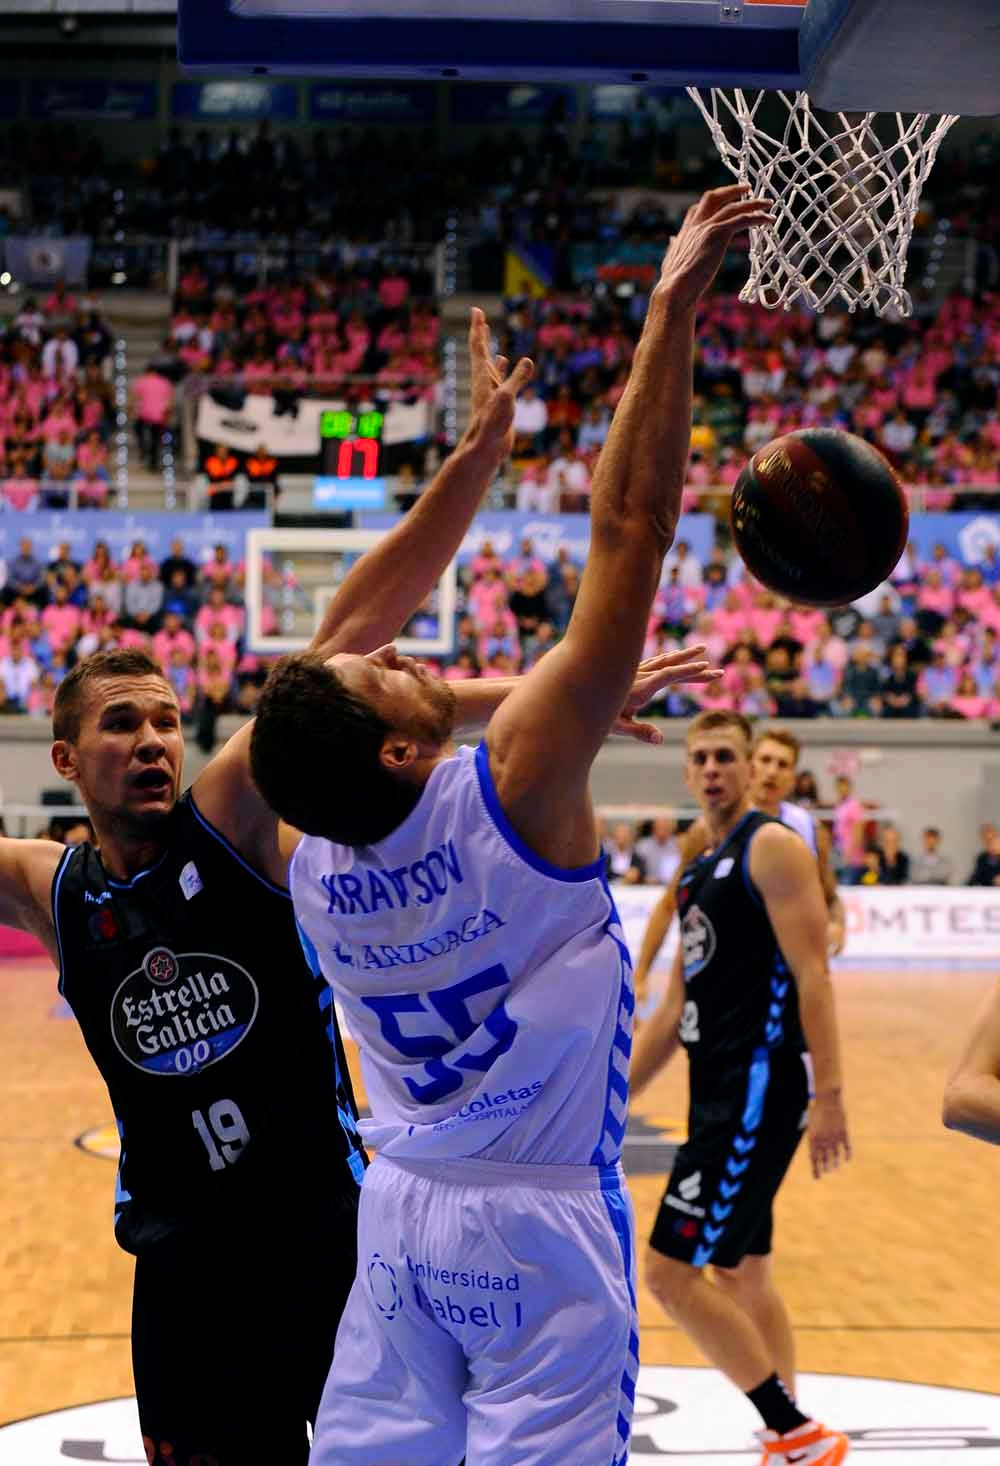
x=61, y=620
x=92, y=456
x=463, y=667
x=805, y=623
x=218, y=612
x=217, y=653
x=487, y=598
x=391, y=338
x=499, y=666
x=98, y=616
x=171, y=639
x=849, y=820
x=152, y=407
x=730, y=618
x=486, y=559
x=934, y=595
x=138, y=557
x=968, y=701
x=42, y=696
x=764, y=618
x=58, y=421
x=393, y=291
x=525, y=562
x=20, y=491
x=973, y=596
x=219, y=571
x=704, y=634
x=991, y=613
x=91, y=491
x=60, y=304
x=131, y=637
x=20, y=618
x=713, y=695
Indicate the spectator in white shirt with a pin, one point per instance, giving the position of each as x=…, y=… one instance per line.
x=931, y=867
x=594, y=428
x=18, y=673
x=531, y=418
x=30, y=322
x=660, y=852
x=568, y=477
x=688, y=566
x=898, y=436
x=537, y=493
x=840, y=355
x=60, y=356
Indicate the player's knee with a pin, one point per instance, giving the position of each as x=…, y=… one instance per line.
x=668, y=1279
x=746, y=1281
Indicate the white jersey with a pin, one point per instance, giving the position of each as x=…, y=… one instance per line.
x=799, y=820
x=490, y=993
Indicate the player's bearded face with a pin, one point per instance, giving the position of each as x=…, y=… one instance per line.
x=403, y=693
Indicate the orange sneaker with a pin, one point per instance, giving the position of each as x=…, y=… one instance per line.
x=811, y=1444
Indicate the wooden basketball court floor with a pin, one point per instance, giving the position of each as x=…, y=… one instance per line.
x=891, y=1268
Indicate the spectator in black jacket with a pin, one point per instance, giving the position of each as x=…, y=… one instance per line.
x=893, y=861
x=986, y=871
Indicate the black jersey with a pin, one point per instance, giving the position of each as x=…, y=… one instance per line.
x=215, y=1036
x=739, y=994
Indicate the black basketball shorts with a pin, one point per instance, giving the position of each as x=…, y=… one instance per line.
x=231, y=1344
x=745, y=1123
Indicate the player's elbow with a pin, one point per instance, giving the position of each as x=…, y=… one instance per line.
x=956, y=1110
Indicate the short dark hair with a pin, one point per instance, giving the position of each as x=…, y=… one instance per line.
x=712, y=720
x=315, y=752
x=779, y=735
x=72, y=690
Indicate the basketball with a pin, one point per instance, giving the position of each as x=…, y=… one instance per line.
x=819, y=516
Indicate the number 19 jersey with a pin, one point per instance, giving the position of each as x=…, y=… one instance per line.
x=490, y=992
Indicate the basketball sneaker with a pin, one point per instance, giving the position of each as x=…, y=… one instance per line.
x=811, y=1444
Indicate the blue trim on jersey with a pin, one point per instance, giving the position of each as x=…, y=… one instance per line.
x=718, y=1211
x=355, y=1159
x=231, y=850
x=487, y=788
x=56, y=882
x=747, y=880
x=621, y=1222
x=139, y=875
x=121, y=1195
x=612, y=1133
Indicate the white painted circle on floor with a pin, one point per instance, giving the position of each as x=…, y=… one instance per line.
x=690, y=1417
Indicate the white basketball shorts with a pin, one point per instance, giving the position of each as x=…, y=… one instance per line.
x=492, y=1318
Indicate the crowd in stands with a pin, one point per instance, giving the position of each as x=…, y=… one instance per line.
x=926, y=644
x=865, y=850
x=926, y=394
x=55, y=404
x=189, y=617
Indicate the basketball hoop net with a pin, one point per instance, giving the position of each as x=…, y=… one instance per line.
x=845, y=194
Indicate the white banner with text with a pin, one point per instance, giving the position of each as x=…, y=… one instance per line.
x=935, y=924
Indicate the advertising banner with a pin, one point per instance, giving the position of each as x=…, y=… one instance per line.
x=498, y=102
x=88, y=100
x=549, y=533
x=964, y=536
x=885, y=924
x=38, y=260
x=235, y=101
x=373, y=102
x=199, y=532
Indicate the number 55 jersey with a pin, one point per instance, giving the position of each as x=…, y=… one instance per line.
x=490, y=992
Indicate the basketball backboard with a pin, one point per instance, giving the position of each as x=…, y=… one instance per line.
x=292, y=575
x=875, y=55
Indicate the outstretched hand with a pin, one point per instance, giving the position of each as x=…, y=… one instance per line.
x=494, y=389
x=698, y=248
x=666, y=670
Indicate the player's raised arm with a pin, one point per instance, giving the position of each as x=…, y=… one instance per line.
x=544, y=739
x=972, y=1098
x=784, y=872
x=27, y=869
x=381, y=592
x=386, y=585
